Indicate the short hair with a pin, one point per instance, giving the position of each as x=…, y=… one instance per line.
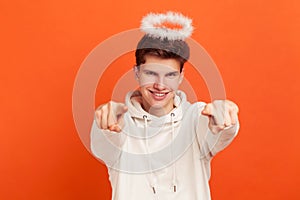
x=162, y=48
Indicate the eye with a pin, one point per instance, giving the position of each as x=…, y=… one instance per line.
x=172, y=74
x=150, y=73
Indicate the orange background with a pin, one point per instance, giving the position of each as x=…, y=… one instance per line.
x=254, y=43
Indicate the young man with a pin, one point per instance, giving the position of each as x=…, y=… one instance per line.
x=157, y=145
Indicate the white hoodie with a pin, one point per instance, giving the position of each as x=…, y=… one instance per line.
x=161, y=158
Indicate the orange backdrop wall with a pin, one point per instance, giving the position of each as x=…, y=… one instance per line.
x=255, y=45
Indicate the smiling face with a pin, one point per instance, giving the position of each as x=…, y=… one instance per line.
x=159, y=79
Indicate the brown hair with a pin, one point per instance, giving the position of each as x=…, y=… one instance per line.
x=163, y=48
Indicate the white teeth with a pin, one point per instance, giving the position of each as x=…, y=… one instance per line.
x=159, y=94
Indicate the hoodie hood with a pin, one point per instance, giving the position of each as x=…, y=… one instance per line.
x=134, y=101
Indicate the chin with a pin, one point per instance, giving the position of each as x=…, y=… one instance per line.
x=159, y=104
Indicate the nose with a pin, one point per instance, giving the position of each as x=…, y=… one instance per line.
x=158, y=86
x=159, y=83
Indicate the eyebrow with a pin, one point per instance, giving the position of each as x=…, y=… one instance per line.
x=147, y=70
x=168, y=73
x=171, y=73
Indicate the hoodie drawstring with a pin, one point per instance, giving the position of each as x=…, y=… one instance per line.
x=172, y=154
x=151, y=178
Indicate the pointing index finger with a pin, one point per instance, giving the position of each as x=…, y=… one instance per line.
x=111, y=118
x=207, y=111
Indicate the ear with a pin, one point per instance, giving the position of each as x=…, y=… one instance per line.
x=136, y=72
x=181, y=76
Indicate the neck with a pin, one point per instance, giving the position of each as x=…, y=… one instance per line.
x=158, y=111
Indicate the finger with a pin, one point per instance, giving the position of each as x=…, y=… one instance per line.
x=125, y=109
x=115, y=127
x=111, y=118
x=227, y=118
x=219, y=112
x=104, y=117
x=218, y=117
x=207, y=111
x=121, y=111
x=233, y=111
x=120, y=108
x=215, y=128
x=98, y=117
x=233, y=116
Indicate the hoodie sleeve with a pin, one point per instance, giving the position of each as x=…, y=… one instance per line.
x=210, y=143
x=106, y=145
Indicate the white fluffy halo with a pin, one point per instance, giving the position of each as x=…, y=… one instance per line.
x=152, y=24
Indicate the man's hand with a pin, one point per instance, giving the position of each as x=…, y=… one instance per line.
x=222, y=114
x=110, y=116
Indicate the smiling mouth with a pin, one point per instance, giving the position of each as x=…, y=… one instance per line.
x=159, y=94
